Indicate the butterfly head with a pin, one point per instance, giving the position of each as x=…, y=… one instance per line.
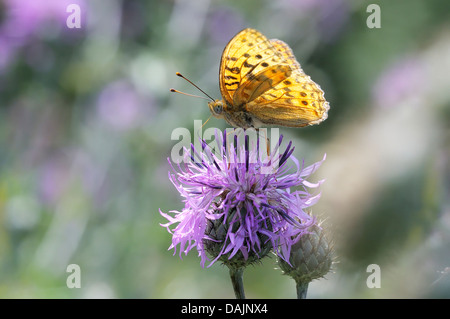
x=216, y=108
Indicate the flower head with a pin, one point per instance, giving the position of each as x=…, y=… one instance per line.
x=239, y=206
x=311, y=257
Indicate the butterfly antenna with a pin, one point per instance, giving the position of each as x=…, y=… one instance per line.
x=181, y=76
x=267, y=140
x=200, y=97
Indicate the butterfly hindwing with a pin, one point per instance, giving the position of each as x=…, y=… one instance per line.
x=286, y=52
x=296, y=101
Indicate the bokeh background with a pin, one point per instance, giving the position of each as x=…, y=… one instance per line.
x=85, y=131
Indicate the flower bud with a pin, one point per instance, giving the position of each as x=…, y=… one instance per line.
x=310, y=257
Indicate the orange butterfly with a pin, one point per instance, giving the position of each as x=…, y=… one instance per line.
x=262, y=83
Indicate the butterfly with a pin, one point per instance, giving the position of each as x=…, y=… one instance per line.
x=262, y=83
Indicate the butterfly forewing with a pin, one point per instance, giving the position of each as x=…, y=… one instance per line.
x=261, y=82
x=248, y=54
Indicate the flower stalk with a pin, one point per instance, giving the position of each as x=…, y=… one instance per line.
x=302, y=289
x=236, y=275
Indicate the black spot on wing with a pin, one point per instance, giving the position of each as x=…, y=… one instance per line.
x=234, y=70
x=248, y=65
x=232, y=83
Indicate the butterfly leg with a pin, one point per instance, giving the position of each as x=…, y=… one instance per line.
x=267, y=139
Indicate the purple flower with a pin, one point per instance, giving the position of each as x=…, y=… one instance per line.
x=328, y=17
x=223, y=24
x=121, y=106
x=256, y=208
x=26, y=19
x=401, y=80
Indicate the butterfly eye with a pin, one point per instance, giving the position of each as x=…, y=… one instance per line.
x=218, y=109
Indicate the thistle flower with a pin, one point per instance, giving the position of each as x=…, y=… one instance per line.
x=236, y=209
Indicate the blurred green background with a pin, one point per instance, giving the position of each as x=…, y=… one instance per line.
x=85, y=131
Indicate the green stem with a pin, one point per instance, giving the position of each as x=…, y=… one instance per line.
x=302, y=290
x=236, y=275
